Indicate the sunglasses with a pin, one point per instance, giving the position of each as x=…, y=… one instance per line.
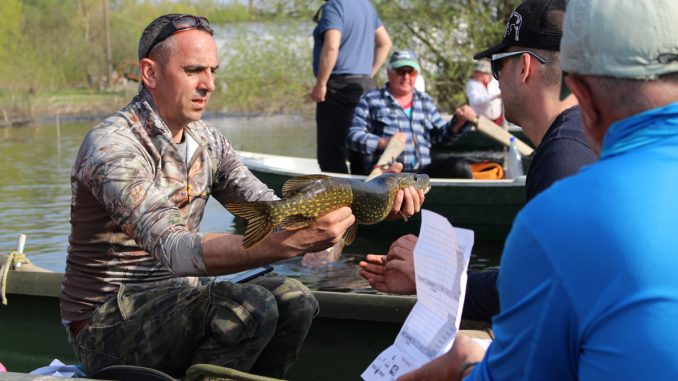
x=181, y=22
x=405, y=70
x=495, y=62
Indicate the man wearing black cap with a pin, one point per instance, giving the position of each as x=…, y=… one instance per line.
x=526, y=63
x=137, y=289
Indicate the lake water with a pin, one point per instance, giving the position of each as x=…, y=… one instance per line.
x=35, y=165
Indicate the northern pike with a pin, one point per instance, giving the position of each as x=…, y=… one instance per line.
x=305, y=198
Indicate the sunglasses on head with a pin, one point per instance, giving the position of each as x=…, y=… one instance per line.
x=181, y=22
x=405, y=70
x=495, y=62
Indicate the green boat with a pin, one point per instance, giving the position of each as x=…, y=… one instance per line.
x=350, y=332
x=487, y=207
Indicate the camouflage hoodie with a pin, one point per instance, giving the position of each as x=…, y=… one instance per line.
x=136, y=206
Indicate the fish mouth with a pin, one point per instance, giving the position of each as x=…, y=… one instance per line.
x=428, y=188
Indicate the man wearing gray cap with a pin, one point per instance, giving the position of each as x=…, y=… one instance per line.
x=588, y=285
x=483, y=93
x=137, y=289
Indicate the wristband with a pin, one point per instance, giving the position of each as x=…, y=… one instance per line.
x=466, y=366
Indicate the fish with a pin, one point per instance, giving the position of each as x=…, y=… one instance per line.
x=305, y=198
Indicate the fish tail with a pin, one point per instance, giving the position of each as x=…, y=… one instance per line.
x=259, y=221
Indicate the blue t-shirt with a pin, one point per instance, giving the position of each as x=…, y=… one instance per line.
x=356, y=20
x=563, y=139
x=589, y=275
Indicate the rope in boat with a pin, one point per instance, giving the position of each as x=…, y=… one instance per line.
x=15, y=259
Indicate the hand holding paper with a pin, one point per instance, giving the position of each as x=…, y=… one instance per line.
x=441, y=258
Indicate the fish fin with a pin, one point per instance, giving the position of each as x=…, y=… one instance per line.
x=259, y=223
x=350, y=234
x=295, y=184
x=296, y=221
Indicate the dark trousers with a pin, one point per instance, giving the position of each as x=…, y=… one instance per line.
x=482, y=297
x=333, y=119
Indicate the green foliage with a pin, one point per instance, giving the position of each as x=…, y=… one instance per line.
x=265, y=67
x=445, y=35
x=48, y=45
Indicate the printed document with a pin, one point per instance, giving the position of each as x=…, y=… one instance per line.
x=441, y=258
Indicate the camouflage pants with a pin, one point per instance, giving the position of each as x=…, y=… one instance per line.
x=257, y=326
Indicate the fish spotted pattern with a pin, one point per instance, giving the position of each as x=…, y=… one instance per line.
x=306, y=198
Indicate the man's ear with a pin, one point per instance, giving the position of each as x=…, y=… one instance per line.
x=149, y=72
x=526, y=67
x=590, y=112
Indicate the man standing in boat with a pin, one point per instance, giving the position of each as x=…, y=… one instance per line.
x=350, y=45
x=399, y=111
x=588, y=286
x=136, y=290
x=526, y=64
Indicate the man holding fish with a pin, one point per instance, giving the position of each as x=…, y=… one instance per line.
x=136, y=289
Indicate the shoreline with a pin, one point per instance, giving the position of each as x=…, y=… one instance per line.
x=99, y=115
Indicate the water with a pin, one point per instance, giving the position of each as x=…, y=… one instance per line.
x=35, y=167
x=35, y=170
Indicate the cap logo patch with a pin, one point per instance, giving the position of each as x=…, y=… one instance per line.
x=513, y=25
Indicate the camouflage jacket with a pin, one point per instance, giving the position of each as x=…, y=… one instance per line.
x=136, y=206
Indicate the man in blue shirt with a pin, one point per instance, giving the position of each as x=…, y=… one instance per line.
x=399, y=111
x=588, y=284
x=350, y=45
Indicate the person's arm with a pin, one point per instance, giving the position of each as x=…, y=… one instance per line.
x=441, y=131
x=466, y=117
x=224, y=254
x=382, y=45
x=454, y=365
x=328, y=58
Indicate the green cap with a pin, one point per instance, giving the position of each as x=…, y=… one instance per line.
x=620, y=38
x=402, y=58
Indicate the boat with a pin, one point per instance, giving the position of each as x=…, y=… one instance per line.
x=351, y=330
x=487, y=207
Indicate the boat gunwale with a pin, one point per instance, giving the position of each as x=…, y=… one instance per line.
x=370, y=307
x=253, y=162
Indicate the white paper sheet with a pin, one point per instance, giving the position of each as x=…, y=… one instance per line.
x=441, y=258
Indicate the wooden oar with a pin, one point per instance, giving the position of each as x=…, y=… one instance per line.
x=497, y=133
x=394, y=148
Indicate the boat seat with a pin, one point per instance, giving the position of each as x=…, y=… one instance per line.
x=131, y=373
x=209, y=372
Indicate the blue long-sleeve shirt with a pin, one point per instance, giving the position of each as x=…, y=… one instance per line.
x=588, y=284
x=378, y=115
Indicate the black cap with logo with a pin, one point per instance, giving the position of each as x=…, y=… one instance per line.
x=533, y=24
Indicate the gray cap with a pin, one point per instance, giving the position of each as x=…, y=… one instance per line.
x=620, y=38
x=482, y=66
x=401, y=58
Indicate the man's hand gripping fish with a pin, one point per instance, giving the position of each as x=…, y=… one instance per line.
x=306, y=198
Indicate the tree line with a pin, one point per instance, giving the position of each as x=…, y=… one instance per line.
x=51, y=46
